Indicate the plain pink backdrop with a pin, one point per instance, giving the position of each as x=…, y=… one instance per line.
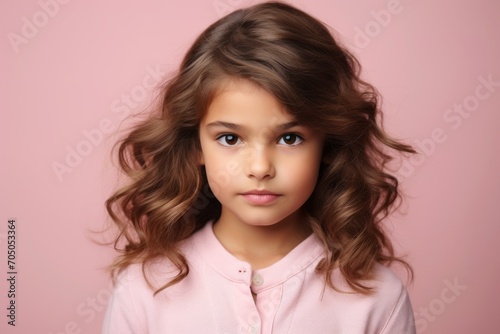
x=67, y=69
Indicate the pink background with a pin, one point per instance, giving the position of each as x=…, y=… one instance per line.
x=69, y=78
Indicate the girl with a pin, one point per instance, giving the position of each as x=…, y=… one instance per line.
x=257, y=191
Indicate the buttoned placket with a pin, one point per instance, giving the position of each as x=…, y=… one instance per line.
x=250, y=320
x=254, y=316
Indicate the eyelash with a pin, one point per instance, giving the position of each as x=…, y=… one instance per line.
x=223, y=138
x=297, y=137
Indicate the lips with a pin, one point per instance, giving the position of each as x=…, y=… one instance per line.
x=260, y=197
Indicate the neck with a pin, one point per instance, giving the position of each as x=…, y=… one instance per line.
x=261, y=246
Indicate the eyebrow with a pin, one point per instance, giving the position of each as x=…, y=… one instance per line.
x=236, y=127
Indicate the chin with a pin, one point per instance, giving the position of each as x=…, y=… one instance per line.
x=260, y=222
x=264, y=221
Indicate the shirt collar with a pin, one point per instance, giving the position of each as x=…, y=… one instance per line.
x=226, y=264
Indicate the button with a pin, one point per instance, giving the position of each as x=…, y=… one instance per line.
x=254, y=329
x=257, y=280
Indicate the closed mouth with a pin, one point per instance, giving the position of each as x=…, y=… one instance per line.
x=260, y=197
x=260, y=193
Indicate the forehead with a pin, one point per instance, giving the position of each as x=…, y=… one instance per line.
x=244, y=102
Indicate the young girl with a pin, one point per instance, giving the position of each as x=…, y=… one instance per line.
x=257, y=191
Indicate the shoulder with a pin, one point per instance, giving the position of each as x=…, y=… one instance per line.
x=147, y=277
x=131, y=284
x=131, y=275
x=387, y=309
x=123, y=313
x=387, y=291
x=391, y=296
x=386, y=283
x=133, y=301
x=133, y=296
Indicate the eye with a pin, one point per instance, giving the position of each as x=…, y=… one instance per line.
x=290, y=139
x=228, y=140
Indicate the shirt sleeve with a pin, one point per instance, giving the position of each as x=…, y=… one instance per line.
x=121, y=315
x=401, y=320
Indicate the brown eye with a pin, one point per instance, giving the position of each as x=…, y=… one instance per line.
x=290, y=139
x=228, y=140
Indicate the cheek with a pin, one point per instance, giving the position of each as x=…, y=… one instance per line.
x=308, y=176
x=217, y=178
x=304, y=174
x=221, y=172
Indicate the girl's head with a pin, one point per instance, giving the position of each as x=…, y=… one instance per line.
x=276, y=75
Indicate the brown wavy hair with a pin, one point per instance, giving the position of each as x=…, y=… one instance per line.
x=294, y=57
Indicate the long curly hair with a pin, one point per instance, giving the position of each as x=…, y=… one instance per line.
x=294, y=57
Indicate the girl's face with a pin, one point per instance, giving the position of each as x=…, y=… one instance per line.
x=261, y=165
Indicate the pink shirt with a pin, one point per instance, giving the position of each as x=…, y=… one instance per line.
x=216, y=298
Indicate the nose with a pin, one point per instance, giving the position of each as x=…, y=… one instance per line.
x=260, y=164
